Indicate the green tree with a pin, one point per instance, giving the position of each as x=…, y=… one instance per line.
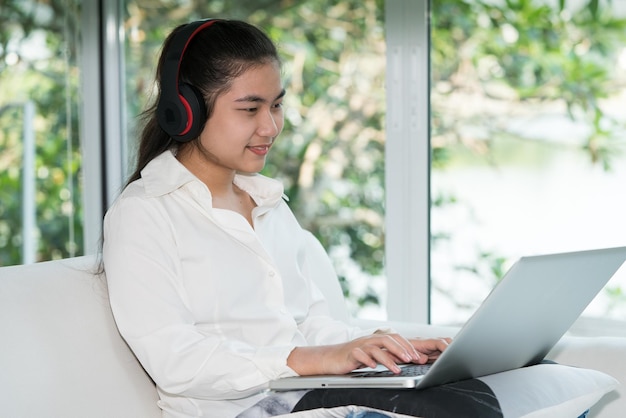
x=38, y=63
x=511, y=56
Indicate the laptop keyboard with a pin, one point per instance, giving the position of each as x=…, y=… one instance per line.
x=407, y=370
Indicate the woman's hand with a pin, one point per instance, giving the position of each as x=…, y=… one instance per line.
x=388, y=349
x=430, y=349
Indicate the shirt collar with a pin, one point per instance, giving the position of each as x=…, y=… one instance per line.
x=165, y=174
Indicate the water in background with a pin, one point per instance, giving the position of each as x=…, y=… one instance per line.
x=561, y=202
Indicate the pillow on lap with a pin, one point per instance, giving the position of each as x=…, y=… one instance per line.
x=549, y=390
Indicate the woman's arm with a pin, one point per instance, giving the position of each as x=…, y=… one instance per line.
x=338, y=348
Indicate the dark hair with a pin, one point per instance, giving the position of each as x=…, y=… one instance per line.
x=214, y=57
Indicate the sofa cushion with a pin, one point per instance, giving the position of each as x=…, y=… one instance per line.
x=60, y=352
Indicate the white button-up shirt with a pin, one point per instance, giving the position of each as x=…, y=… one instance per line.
x=210, y=306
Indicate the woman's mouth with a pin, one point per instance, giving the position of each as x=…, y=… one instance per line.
x=260, y=149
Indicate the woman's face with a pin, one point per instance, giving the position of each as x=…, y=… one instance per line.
x=246, y=120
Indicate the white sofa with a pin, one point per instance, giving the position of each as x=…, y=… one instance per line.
x=61, y=354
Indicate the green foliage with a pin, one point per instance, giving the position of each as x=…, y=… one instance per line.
x=514, y=55
x=46, y=74
x=527, y=52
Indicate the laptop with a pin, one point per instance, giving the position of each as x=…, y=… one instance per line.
x=518, y=323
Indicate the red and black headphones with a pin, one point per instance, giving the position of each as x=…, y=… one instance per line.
x=181, y=110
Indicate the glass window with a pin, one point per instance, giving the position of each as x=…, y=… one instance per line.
x=330, y=155
x=40, y=161
x=528, y=143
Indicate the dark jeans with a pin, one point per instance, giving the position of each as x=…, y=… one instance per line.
x=366, y=414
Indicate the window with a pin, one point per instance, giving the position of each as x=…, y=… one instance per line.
x=512, y=128
x=527, y=138
x=40, y=152
x=330, y=155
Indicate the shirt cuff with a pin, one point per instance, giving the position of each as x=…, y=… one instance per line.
x=272, y=361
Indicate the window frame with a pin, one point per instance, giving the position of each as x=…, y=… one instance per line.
x=91, y=129
x=407, y=161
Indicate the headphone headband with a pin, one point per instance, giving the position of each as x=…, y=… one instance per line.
x=181, y=110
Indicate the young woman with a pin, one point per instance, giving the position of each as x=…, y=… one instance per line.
x=206, y=265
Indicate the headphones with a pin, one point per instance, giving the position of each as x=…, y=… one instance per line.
x=181, y=110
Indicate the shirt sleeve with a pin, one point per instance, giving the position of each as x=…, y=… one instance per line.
x=152, y=311
x=319, y=327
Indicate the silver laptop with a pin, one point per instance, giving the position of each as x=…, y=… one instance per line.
x=522, y=318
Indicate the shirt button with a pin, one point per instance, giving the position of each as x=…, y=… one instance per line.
x=272, y=273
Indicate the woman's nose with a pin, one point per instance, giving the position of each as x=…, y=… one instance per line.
x=269, y=124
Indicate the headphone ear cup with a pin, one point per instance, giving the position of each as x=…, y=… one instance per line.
x=181, y=110
x=172, y=114
x=196, y=112
x=182, y=117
